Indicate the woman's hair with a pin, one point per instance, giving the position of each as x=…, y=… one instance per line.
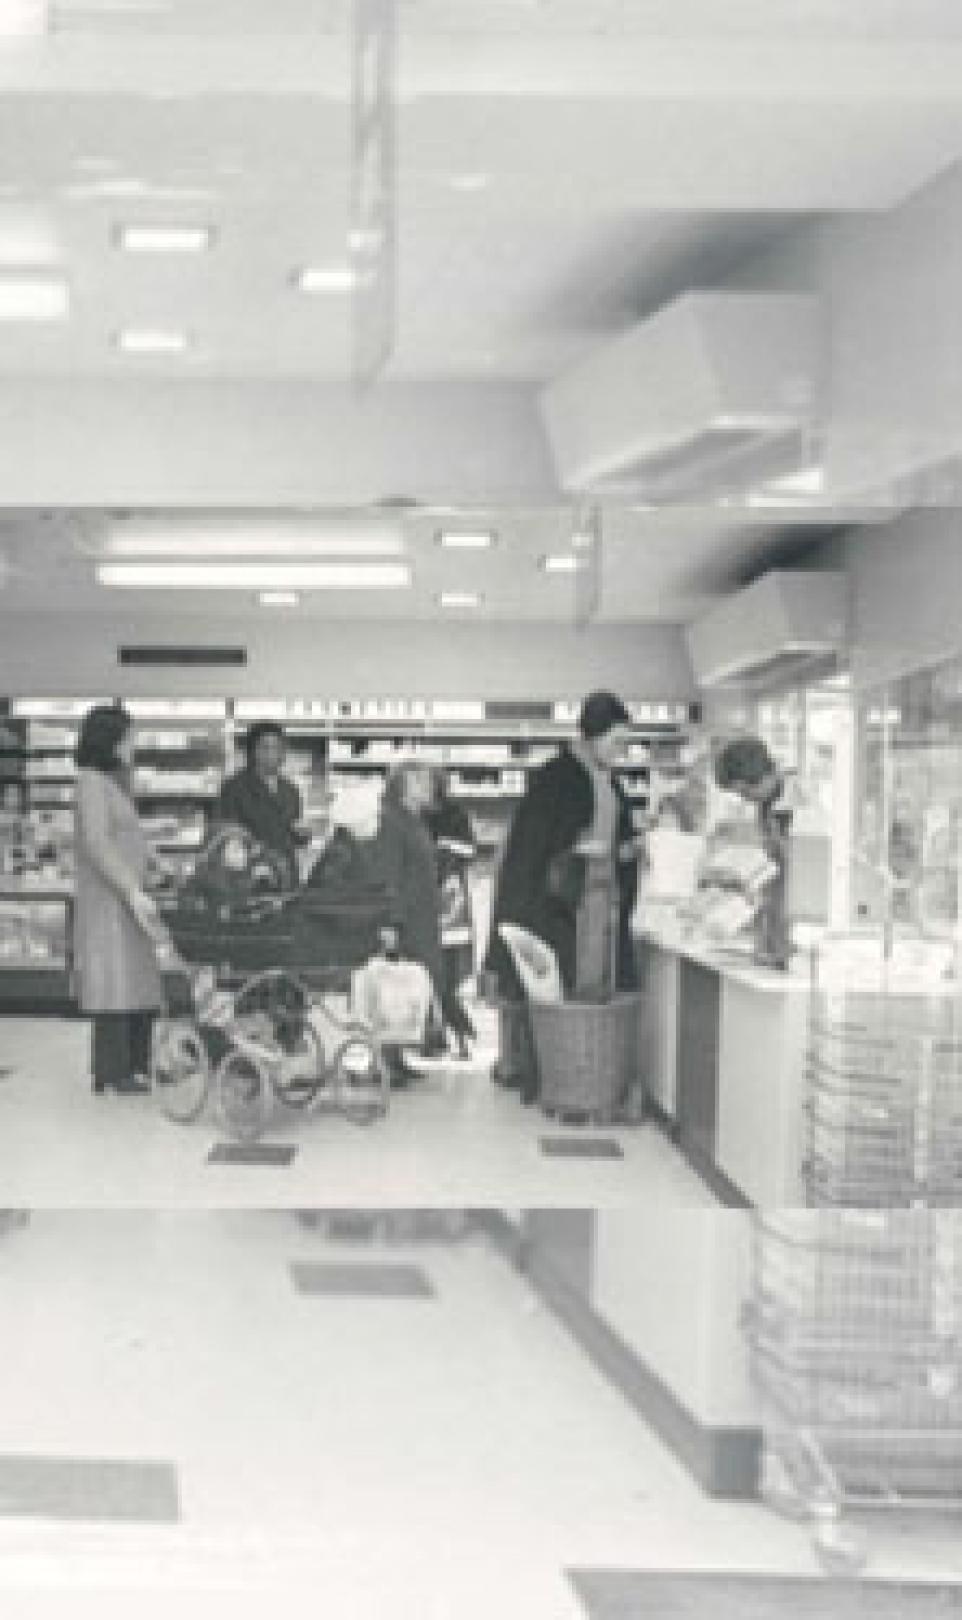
x=102, y=730
x=258, y=731
x=600, y=713
x=744, y=761
x=395, y=787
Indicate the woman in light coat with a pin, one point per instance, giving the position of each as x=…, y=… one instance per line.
x=116, y=923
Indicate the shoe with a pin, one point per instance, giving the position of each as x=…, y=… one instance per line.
x=135, y=1086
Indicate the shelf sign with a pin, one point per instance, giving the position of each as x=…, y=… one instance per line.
x=374, y=190
x=586, y=541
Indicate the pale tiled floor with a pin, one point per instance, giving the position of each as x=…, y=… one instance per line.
x=338, y=1458
x=453, y=1138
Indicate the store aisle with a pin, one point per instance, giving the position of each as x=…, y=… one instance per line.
x=431, y=1456
x=452, y=1138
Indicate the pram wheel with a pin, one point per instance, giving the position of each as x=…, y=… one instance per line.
x=300, y=1072
x=180, y=1069
x=359, y=1076
x=244, y=1095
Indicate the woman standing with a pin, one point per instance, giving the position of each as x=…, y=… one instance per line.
x=569, y=873
x=116, y=924
x=455, y=848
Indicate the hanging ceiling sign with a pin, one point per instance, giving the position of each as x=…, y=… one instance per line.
x=374, y=199
x=586, y=542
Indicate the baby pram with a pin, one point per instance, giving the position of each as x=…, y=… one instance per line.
x=257, y=983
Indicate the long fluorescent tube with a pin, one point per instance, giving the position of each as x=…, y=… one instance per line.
x=33, y=296
x=562, y=563
x=24, y=19
x=143, y=341
x=164, y=238
x=335, y=279
x=246, y=539
x=466, y=539
x=254, y=577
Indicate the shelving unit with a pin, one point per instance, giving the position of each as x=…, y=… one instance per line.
x=186, y=747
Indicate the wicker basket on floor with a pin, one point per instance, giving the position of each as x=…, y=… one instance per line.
x=587, y=1054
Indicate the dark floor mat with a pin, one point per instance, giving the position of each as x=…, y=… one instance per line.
x=639, y=1595
x=88, y=1489
x=581, y=1147
x=360, y=1281
x=276, y=1154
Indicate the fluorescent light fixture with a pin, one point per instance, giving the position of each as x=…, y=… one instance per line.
x=564, y=562
x=31, y=295
x=459, y=599
x=145, y=341
x=470, y=182
x=24, y=19
x=318, y=279
x=254, y=577
x=164, y=238
x=466, y=539
x=226, y=538
x=278, y=599
x=809, y=481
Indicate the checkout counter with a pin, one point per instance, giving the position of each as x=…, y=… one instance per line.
x=723, y=1052
x=850, y=1053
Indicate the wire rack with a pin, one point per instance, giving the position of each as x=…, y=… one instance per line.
x=855, y=1336
x=883, y=1102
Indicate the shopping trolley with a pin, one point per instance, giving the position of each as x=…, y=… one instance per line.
x=883, y=1105
x=855, y=1334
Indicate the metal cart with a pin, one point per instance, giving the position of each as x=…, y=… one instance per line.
x=855, y=1334
x=883, y=1106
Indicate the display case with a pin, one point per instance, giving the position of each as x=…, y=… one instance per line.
x=35, y=945
x=908, y=844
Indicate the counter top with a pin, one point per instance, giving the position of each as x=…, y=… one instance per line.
x=906, y=981
x=734, y=962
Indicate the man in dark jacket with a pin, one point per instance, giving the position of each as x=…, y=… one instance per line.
x=553, y=835
x=264, y=801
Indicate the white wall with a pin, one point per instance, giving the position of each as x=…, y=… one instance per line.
x=62, y=655
x=194, y=444
x=672, y=1285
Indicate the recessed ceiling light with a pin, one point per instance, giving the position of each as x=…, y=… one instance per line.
x=144, y=341
x=27, y=295
x=564, y=562
x=24, y=19
x=459, y=599
x=466, y=539
x=278, y=599
x=164, y=238
x=474, y=180
x=317, y=279
x=254, y=577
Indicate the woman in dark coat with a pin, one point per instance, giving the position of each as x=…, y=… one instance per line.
x=408, y=862
x=455, y=848
x=262, y=800
x=116, y=924
x=573, y=819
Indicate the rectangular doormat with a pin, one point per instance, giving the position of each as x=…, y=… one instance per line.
x=641, y=1595
x=80, y=1488
x=581, y=1147
x=277, y=1155
x=360, y=1281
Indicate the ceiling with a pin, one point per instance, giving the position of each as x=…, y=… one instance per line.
x=565, y=167
x=657, y=567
